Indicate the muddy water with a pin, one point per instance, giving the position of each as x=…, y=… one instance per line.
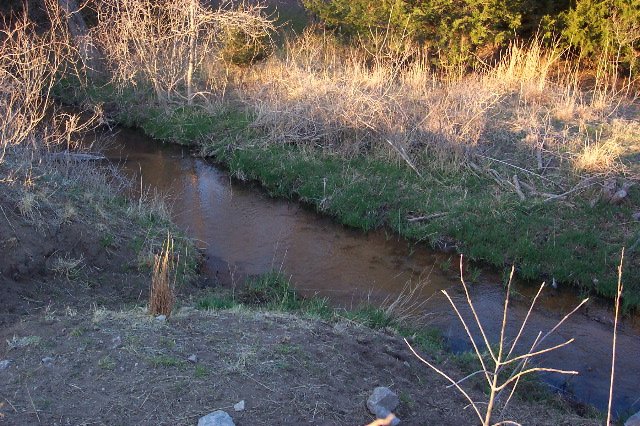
x=244, y=232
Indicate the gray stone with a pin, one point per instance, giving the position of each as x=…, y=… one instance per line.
x=161, y=318
x=633, y=420
x=116, y=342
x=4, y=364
x=47, y=361
x=382, y=402
x=239, y=406
x=217, y=418
x=636, y=216
x=193, y=358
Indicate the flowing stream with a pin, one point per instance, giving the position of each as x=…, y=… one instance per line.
x=244, y=232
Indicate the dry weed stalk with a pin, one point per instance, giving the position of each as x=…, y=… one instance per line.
x=163, y=280
x=619, y=291
x=502, y=368
x=407, y=306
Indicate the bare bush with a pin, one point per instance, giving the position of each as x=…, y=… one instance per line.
x=164, y=44
x=30, y=62
x=501, y=366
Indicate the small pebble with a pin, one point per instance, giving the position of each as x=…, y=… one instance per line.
x=161, y=318
x=193, y=358
x=4, y=364
x=239, y=406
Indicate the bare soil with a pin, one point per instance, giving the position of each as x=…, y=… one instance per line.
x=107, y=367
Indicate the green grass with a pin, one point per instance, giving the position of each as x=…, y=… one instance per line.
x=166, y=361
x=371, y=316
x=201, y=372
x=216, y=302
x=107, y=363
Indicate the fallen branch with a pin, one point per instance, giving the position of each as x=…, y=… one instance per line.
x=519, y=168
x=581, y=185
x=426, y=218
x=516, y=183
x=77, y=156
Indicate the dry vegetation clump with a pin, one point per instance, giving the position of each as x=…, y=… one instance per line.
x=163, y=281
x=527, y=110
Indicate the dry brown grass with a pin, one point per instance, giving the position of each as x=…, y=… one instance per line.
x=163, y=280
x=527, y=109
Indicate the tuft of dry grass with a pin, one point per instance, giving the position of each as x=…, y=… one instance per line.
x=163, y=279
x=68, y=267
x=598, y=157
x=28, y=205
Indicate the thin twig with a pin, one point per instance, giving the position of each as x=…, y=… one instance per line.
x=615, y=337
x=427, y=217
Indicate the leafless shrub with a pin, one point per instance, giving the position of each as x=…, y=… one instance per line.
x=502, y=368
x=163, y=44
x=30, y=62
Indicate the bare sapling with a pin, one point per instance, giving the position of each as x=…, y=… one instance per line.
x=501, y=366
x=163, y=281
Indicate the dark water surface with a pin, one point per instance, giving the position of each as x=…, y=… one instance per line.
x=245, y=232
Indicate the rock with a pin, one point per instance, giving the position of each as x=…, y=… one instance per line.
x=636, y=216
x=4, y=364
x=239, y=406
x=47, y=361
x=618, y=197
x=621, y=194
x=633, y=420
x=116, y=342
x=608, y=189
x=193, y=358
x=161, y=318
x=382, y=402
x=217, y=418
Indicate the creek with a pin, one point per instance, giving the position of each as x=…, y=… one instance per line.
x=244, y=232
